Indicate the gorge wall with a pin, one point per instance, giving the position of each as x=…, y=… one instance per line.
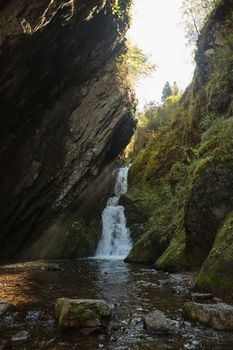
x=64, y=120
x=180, y=201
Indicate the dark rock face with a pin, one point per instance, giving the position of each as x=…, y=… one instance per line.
x=64, y=119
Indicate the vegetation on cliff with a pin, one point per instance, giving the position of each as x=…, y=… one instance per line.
x=181, y=179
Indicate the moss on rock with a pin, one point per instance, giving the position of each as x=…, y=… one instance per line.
x=186, y=170
x=174, y=258
x=156, y=200
x=209, y=195
x=85, y=235
x=216, y=273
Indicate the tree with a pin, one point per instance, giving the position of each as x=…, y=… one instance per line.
x=134, y=64
x=195, y=14
x=175, y=89
x=167, y=91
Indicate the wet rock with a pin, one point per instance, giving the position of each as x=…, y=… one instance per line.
x=4, y=306
x=157, y=322
x=20, y=336
x=202, y=296
x=219, y=316
x=87, y=314
x=217, y=300
x=180, y=290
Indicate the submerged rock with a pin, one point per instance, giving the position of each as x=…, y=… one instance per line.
x=219, y=316
x=20, y=336
x=202, y=296
x=156, y=321
x=82, y=313
x=180, y=290
x=4, y=306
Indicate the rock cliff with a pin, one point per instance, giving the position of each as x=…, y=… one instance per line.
x=181, y=182
x=64, y=120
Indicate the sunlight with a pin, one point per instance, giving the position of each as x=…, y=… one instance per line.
x=156, y=29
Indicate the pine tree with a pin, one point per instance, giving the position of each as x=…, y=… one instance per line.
x=167, y=91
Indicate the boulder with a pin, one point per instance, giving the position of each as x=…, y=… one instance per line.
x=82, y=313
x=4, y=306
x=219, y=316
x=156, y=321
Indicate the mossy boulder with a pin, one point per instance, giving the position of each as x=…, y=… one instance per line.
x=82, y=313
x=137, y=210
x=149, y=247
x=216, y=273
x=174, y=258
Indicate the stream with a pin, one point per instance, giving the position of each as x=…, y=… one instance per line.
x=133, y=290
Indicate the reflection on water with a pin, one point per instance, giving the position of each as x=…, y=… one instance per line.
x=133, y=290
x=111, y=282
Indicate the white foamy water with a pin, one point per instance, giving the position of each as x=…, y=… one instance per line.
x=115, y=242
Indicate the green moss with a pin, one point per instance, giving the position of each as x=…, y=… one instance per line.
x=217, y=271
x=82, y=237
x=186, y=166
x=156, y=200
x=174, y=258
x=138, y=204
x=209, y=190
x=149, y=246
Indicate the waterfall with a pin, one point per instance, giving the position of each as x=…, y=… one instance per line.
x=115, y=242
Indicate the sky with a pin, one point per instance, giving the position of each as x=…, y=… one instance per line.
x=156, y=28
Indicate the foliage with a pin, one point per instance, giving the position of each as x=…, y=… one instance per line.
x=181, y=176
x=219, y=89
x=121, y=10
x=133, y=65
x=152, y=120
x=195, y=14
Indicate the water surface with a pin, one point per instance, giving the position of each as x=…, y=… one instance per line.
x=133, y=290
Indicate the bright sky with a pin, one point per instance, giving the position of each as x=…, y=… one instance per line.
x=156, y=29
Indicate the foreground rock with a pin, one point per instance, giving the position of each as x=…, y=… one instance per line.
x=4, y=306
x=219, y=316
x=157, y=322
x=82, y=313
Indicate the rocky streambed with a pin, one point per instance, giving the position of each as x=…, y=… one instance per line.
x=132, y=291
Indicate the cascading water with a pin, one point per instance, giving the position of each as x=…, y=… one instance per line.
x=115, y=242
